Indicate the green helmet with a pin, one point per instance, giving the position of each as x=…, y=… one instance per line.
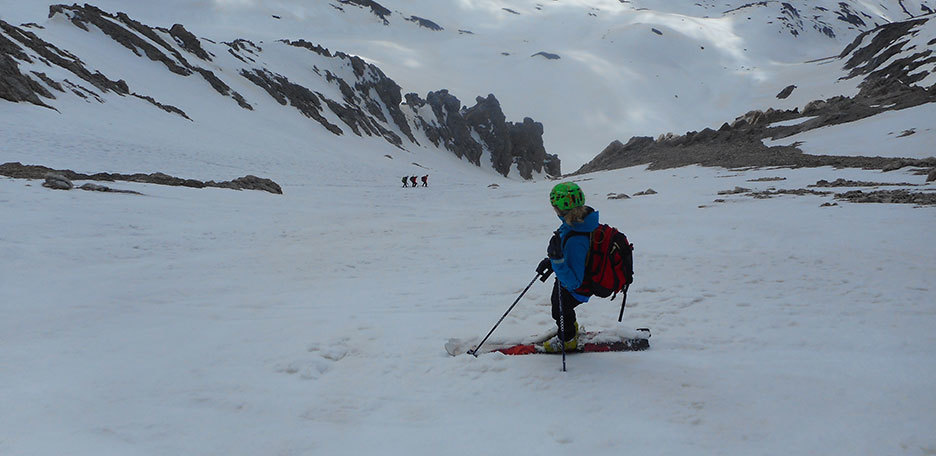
x=566, y=195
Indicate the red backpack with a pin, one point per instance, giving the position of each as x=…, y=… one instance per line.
x=609, y=266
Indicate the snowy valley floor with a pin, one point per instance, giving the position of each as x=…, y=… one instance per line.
x=217, y=322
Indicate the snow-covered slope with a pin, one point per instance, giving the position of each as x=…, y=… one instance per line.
x=231, y=92
x=786, y=319
x=884, y=93
x=312, y=323
x=624, y=68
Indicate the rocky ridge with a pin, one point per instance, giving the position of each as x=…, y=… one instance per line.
x=369, y=104
x=741, y=143
x=61, y=178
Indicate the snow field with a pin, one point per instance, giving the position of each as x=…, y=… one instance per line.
x=221, y=322
x=906, y=133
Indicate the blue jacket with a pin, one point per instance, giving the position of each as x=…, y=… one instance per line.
x=570, y=270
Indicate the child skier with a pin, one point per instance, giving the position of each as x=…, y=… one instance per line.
x=566, y=256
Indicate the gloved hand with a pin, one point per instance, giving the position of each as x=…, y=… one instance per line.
x=544, y=269
x=554, y=251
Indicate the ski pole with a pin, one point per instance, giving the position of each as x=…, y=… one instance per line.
x=561, y=326
x=475, y=351
x=623, y=302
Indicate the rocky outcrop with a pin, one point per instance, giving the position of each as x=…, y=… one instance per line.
x=529, y=152
x=889, y=196
x=63, y=178
x=121, y=29
x=164, y=107
x=786, y=92
x=885, y=44
x=455, y=127
x=88, y=15
x=126, y=31
x=805, y=17
x=57, y=181
x=733, y=148
x=16, y=87
x=189, y=42
x=489, y=122
x=547, y=55
x=376, y=8
x=283, y=91
x=426, y=23
x=850, y=183
x=453, y=131
x=54, y=55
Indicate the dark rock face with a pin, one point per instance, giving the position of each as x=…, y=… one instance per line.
x=16, y=87
x=90, y=15
x=121, y=29
x=165, y=54
x=57, y=57
x=547, y=55
x=426, y=23
x=189, y=42
x=283, y=91
x=376, y=8
x=786, y=92
x=529, y=151
x=455, y=128
x=885, y=43
x=488, y=120
x=251, y=182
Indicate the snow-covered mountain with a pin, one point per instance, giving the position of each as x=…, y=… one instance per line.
x=788, y=316
x=590, y=72
x=887, y=73
x=342, y=93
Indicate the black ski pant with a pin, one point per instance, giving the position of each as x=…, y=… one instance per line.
x=568, y=310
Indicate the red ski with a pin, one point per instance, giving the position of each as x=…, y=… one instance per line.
x=610, y=340
x=590, y=342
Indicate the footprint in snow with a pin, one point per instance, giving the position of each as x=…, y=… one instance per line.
x=318, y=363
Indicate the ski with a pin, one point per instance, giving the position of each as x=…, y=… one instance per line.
x=456, y=346
x=590, y=342
x=614, y=340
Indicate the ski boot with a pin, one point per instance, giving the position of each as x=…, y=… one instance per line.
x=552, y=345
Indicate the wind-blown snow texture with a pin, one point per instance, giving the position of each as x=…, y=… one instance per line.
x=209, y=321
